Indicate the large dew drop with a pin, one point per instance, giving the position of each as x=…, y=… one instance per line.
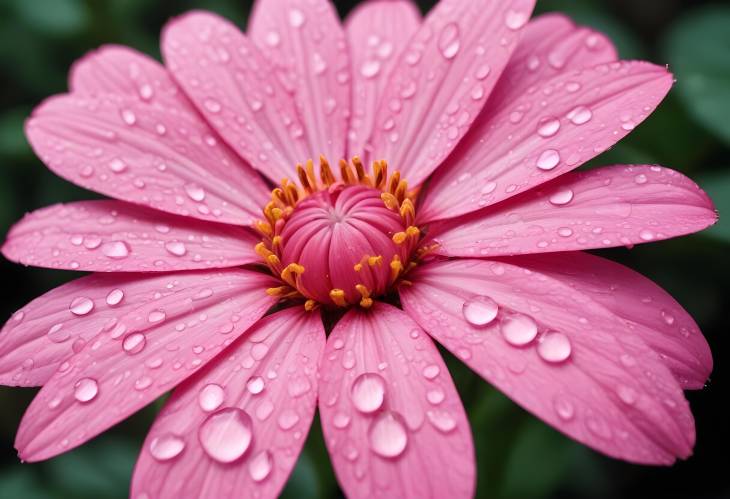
x=81, y=305
x=368, y=392
x=519, y=330
x=554, y=347
x=166, y=447
x=260, y=466
x=86, y=390
x=449, y=42
x=480, y=310
x=387, y=436
x=226, y=435
x=134, y=343
x=211, y=397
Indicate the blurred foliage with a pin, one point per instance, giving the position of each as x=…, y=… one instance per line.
x=517, y=455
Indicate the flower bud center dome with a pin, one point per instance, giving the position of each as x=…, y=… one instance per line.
x=339, y=242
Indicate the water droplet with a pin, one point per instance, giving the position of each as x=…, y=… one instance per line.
x=260, y=466
x=57, y=334
x=226, y=435
x=646, y=235
x=287, y=419
x=212, y=105
x=435, y=396
x=129, y=117
x=554, y=347
x=296, y=18
x=515, y=19
x=564, y=408
x=370, y=69
x=548, y=127
x=117, y=165
x=387, y=435
x=81, y=305
x=449, y=42
x=195, y=192
x=176, y=248
x=548, y=160
x=134, y=343
x=255, y=385
x=341, y=420
x=116, y=249
x=86, y=390
x=431, y=371
x=146, y=91
x=641, y=179
x=166, y=447
x=211, y=397
x=480, y=310
x=519, y=329
x=443, y=421
x=156, y=316
x=368, y=392
x=562, y=197
x=114, y=297
x=580, y=115
x=626, y=394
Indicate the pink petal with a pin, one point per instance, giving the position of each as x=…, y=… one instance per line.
x=580, y=368
x=235, y=87
x=307, y=42
x=539, y=135
x=120, y=70
x=147, y=153
x=604, y=207
x=187, y=319
x=443, y=80
x=260, y=396
x=648, y=310
x=378, y=31
x=113, y=236
x=392, y=419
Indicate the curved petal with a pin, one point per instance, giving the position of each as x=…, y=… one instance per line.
x=149, y=153
x=392, y=419
x=307, y=42
x=558, y=353
x=140, y=355
x=235, y=87
x=113, y=236
x=442, y=81
x=604, y=207
x=120, y=70
x=648, y=310
x=562, y=123
x=378, y=32
x=239, y=424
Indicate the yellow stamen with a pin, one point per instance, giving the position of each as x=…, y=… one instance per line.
x=273, y=260
x=393, y=182
x=276, y=241
x=396, y=266
x=310, y=305
x=399, y=237
x=357, y=267
x=400, y=191
x=346, y=172
x=325, y=172
x=413, y=231
x=290, y=272
x=302, y=174
x=338, y=297
x=391, y=202
x=375, y=260
x=279, y=291
x=263, y=227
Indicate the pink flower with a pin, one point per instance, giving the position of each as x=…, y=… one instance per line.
x=471, y=234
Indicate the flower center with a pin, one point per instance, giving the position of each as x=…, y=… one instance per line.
x=339, y=242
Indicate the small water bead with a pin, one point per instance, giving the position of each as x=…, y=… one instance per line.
x=449, y=41
x=114, y=297
x=627, y=394
x=641, y=179
x=287, y=419
x=646, y=235
x=368, y=392
x=156, y=316
x=211, y=397
x=548, y=160
x=260, y=466
x=563, y=408
x=515, y=19
x=519, y=329
x=435, y=396
x=195, y=192
x=116, y=250
x=340, y=420
x=431, y=371
x=212, y=105
x=370, y=69
x=117, y=165
x=548, y=127
x=166, y=447
x=562, y=197
x=86, y=390
x=176, y=248
x=443, y=421
x=565, y=231
x=255, y=385
x=554, y=347
x=580, y=115
x=143, y=383
x=226, y=435
x=387, y=435
x=134, y=343
x=480, y=310
x=129, y=117
x=81, y=305
x=296, y=18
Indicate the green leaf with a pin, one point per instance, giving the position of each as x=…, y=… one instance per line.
x=19, y=481
x=55, y=17
x=12, y=139
x=717, y=186
x=698, y=48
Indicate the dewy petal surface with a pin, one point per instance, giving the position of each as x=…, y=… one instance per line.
x=442, y=81
x=562, y=123
x=267, y=382
x=392, y=419
x=377, y=31
x=649, y=311
x=558, y=353
x=308, y=44
x=143, y=353
x=599, y=208
x=113, y=236
x=234, y=85
x=149, y=153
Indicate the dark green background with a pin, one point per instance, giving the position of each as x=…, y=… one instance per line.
x=517, y=456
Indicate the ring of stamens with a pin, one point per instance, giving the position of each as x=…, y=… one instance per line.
x=288, y=195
